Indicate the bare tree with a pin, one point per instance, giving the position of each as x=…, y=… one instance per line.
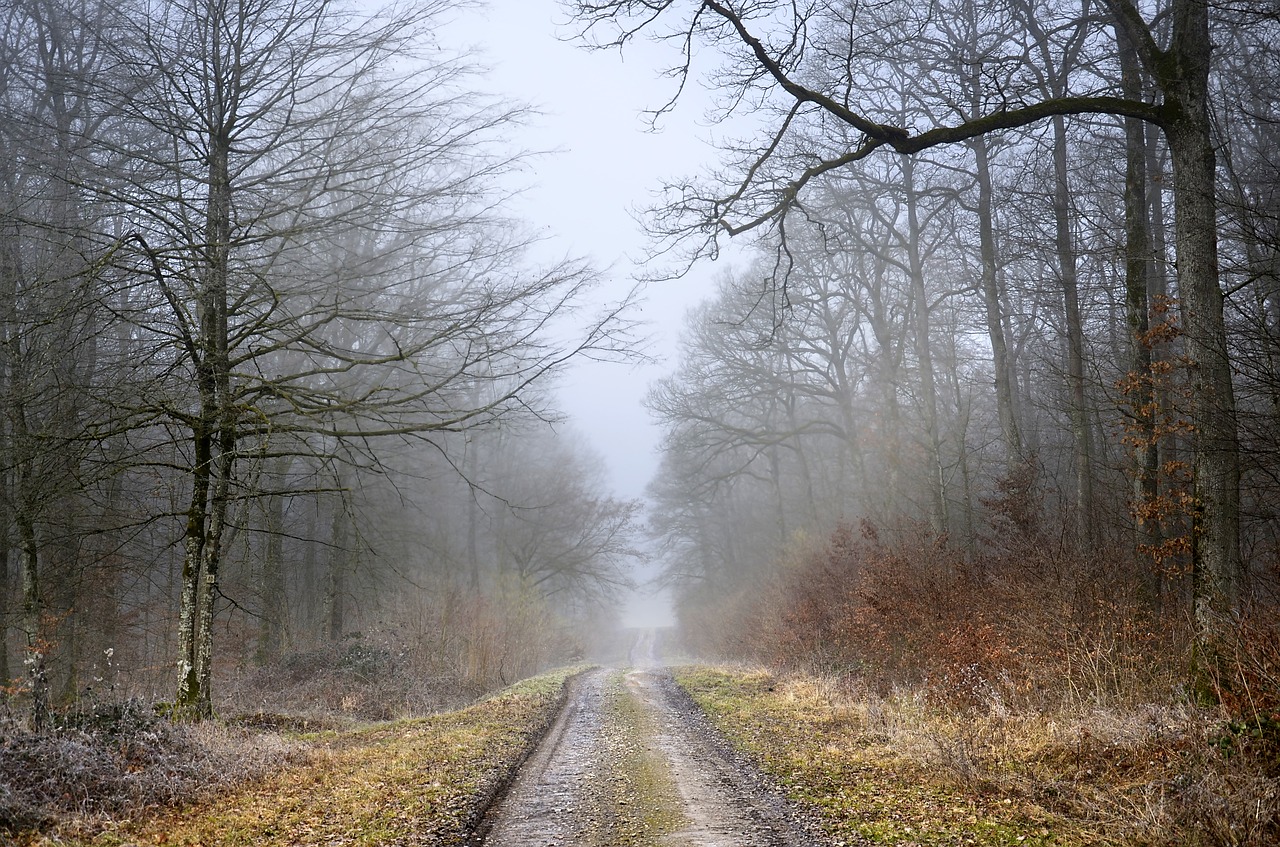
x=52, y=314
x=564, y=534
x=314, y=214
x=768, y=50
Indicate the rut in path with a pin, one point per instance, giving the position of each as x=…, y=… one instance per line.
x=631, y=761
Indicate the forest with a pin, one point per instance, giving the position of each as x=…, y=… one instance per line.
x=276, y=368
x=1000, y=382
x=985, y=408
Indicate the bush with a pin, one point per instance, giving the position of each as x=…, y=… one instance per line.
x=111, y=760
x=1024, y=621
x=436, y=652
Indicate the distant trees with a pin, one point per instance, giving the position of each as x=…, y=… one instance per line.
x=53, y=72
x=841, y=82
x=339, y=278
x=254, y=258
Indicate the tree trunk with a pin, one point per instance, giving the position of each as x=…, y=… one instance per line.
x=1006, y=404
x=310, y=574
x=1173, y=592
x=1139, y=270
x=6, y=485
x=1216, y=548
x=208, y=593
x=887, y=373
x=6, y=551
x=214, y=429
x=38, y=641
x=1080, y=430
x=192, y=559
x=274, y=609
x=336, y=584
x=928, y=382
x=473, y=511
x=1216, y=563
x=963, y=409
x=1182, y=74
x=796, y=443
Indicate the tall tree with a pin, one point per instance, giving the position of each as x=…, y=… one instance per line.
x=768, y=51
x=317, y=210
x=55, y=110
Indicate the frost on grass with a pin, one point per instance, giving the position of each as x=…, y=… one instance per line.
x=123, y=759
x=401, y=782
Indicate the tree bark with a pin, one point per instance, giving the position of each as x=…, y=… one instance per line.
x=888, y=360
x=1082, y=440
x=39, y=644
x=8, y=282
x=213, y=430
x=924, y=356
x=274, y=607
x=208, y=594
x=1216, y=548
x=1183, y=75
x=193, y=545
x=1006, y=404
x=335, y=604
x=473, y=511
x=6, y=554
x=1139, y=270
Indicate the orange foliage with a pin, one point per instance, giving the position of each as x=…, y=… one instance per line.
x=1025, y=621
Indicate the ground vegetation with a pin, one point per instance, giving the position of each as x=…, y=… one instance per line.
x=133, y=778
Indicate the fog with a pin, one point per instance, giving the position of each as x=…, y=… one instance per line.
x=421, y=339
x=600, y=161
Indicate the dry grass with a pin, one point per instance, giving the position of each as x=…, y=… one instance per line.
x=409, y=782
x=906, y=768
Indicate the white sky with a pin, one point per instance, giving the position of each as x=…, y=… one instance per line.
x=603, y=166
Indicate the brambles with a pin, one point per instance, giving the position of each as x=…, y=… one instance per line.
x=120, y=761
x=1024, y=625
x=1037, y=675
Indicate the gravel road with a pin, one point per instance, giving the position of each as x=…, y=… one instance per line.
x=632, y=761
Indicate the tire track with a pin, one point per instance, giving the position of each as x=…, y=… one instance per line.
x=631, y=761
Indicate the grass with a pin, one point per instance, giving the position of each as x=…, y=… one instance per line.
x=407, y=782
x=902, y=770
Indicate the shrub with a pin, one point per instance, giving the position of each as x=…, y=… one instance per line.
x=117, y=759
x=1024, y=621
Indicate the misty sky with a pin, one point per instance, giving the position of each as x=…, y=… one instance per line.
x=603, y=165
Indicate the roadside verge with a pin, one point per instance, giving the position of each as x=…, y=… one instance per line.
x=421, y=781
x=850, y=779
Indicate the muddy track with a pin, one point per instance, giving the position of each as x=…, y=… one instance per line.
x=632, y=761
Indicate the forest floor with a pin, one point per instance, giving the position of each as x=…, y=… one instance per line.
x=906, y=771
x=709, y=756
x=421, y=781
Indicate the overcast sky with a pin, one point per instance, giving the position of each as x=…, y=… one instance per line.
x=604, y=164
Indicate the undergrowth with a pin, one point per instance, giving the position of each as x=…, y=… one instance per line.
x=1063, y=684
x=411, y=781
x=910, y=768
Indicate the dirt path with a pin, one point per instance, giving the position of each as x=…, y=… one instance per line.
x=631, y=761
